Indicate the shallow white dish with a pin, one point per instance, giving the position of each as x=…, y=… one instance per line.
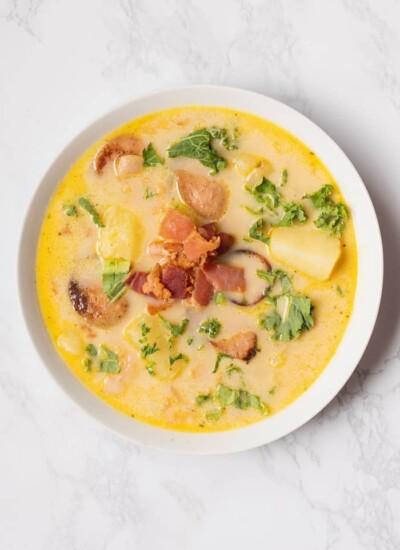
x=367, y=300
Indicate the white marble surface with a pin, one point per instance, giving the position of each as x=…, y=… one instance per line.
x=68, y=483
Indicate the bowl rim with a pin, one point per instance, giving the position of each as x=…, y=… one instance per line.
x=369, y=251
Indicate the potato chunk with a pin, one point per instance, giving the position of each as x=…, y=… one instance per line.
x=122, y=236
x=312, y=251
x=150, y=330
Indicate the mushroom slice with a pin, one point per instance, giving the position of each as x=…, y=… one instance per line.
x=92, y=304
x=126, y=144
x=207, y=196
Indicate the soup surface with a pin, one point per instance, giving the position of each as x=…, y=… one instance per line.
x=196, y=268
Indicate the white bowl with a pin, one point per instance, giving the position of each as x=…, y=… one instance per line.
x=367, y=300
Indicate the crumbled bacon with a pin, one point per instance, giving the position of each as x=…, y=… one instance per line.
x=154, y=285
x=203, y=289
x=136, y=281
x=153, y=309
x=164, y=248
x=176, y=280
x=176, y=226
x=208, y=230
x=195, y=246
x=185, y=269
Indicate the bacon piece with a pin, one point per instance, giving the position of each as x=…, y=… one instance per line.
x=226, y=242
x=203, y=289
x=154, y=285
x=164, y=248
x=92, y=304
x=206, y=196
x=176, y=226
x=126, y=144
x=239, y=346
x=208, y=230
x=176, y=280
x=225, y=277
x=152, y=309
x=136, y=281
x=195, y=246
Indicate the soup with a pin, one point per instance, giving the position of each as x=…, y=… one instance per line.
x=196, y=268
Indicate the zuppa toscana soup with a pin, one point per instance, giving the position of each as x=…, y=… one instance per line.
x=196, y=268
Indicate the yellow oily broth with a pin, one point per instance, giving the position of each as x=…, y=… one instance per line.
x=68, y=247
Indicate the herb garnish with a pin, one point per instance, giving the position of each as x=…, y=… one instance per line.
x=149, y=194
x=333, y=215
x=87, y=205
x=110, y=363
x=87, y=363
x=91, y=350
x=197, y=145
x=211, y=327
x=221, y=355
x=298, y=318
x=265, y=193
x=150, y=367
x=113, y=276
x=70, y=210
x=226, y=396
x=150, y=157
x=257, y=231
x=276, y=274
x=222, y=134
x=178, y=357
x=283, y=178
x=201, y=398
x=148, y=349
x=144, y=329
x=292, y=212
x=175, y=330
x=219, y=299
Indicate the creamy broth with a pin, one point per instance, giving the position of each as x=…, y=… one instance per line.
x=184, y=395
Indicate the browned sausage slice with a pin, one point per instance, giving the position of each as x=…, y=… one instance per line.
x=92, y=304
x=206, y=196
x=126, y=144
x=240, y=346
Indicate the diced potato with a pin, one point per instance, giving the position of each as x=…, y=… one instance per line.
x=157, y=334
x=122, y=236
x=246, y=163
x=71, y=342
x=312, y=251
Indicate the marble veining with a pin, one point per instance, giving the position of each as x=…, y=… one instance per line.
x=67, y=482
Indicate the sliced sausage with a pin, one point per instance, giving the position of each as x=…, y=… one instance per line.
x=92, y=304
x=239, y=346
x=206, y=196
x=126, y=144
